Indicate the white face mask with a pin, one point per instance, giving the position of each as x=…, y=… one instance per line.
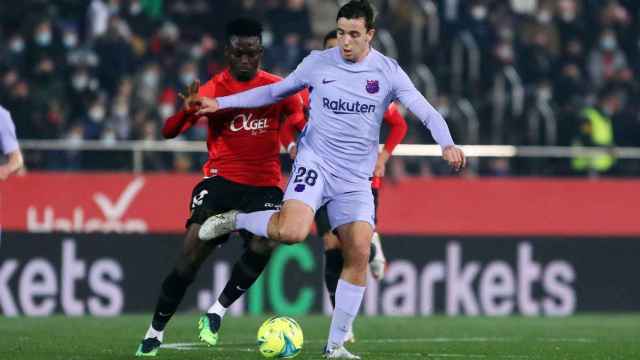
x=79, y=81
x=70, y=40
x=150, y=79
x=608, y=43
x=43, y=38
x=109, y=137
x=544, y=17
x=135, y=8
x=479, y=12
x=96, y=113
x=196, y=52
x=166, y=110
x=17, y=45
x=187, y=78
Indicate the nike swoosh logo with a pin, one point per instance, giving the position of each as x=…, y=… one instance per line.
x=163, y=314
x=240, y=289
x=327, y=81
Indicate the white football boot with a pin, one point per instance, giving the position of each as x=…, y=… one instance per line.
x=218, y=225
x=338, y=353
x=379, y=263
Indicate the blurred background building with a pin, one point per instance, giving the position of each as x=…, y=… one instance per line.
x=518, y=72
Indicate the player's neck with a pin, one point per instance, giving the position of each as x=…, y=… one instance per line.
x=240, y=79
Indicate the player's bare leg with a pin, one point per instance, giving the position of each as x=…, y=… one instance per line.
x=194, y=253
x=244, y=273
x=290, y=225
x=356, y=243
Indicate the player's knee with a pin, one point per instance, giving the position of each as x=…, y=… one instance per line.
x=359, y=255
x=292, y=235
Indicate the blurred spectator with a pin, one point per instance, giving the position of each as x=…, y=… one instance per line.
x=291, y=18
x=596, y=129
x=607, y=61
x=569, y=24
x=287, y=55
x=115, y=53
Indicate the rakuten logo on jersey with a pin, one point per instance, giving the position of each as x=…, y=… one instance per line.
x=246, y=122
x=341, y=107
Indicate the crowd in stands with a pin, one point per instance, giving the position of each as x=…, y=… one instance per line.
x=110, y=70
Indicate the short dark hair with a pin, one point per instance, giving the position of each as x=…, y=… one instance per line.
x=333, y=34
x=243, y=27
x=356, y=9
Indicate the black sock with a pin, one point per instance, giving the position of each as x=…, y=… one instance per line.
x=245, y=272
x=215, y=320
x=171, y=294
x=333, y=262
x=372, y=253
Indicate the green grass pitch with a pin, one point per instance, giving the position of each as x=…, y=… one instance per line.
x=600, y=337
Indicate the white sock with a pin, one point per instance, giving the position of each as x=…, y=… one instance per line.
x=348, y=300
x=256, y=222
x=153, y=333
x=217, y=309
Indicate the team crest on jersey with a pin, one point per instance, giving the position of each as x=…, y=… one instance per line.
x=372, y=86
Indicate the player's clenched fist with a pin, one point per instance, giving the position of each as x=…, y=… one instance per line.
x=454, y=156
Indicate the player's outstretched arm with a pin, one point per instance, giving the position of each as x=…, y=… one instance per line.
x=254, y=98
x=413, y=100
x=264, y=95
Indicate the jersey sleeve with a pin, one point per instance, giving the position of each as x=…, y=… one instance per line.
x=8, y=139
x=294, y=121
x=412, y=99
x=397, y=127
x=272, y=93
x=208, y=89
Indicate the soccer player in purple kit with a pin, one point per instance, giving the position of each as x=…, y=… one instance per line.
x=351, y=86
x=10, y=158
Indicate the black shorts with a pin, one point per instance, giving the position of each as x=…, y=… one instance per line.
x=216, y=195
x=322, y=218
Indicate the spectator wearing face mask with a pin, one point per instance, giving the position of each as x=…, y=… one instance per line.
x=13, y=55
x=607, y=60
x=115, y=54
x=43, y=43
x=568, y=22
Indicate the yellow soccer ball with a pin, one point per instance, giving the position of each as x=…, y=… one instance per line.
x=280, y=337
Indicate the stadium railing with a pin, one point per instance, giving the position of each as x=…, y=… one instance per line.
x=138, y=147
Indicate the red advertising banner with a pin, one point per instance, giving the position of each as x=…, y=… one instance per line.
x=511, y=206
x=159, y=203
x=97, y=202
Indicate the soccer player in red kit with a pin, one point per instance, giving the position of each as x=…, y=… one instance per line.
x=333, y=259
x=243, y=173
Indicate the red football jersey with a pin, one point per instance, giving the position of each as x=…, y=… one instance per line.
x=244, y=144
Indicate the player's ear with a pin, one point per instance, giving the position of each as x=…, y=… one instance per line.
x=370, y=34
